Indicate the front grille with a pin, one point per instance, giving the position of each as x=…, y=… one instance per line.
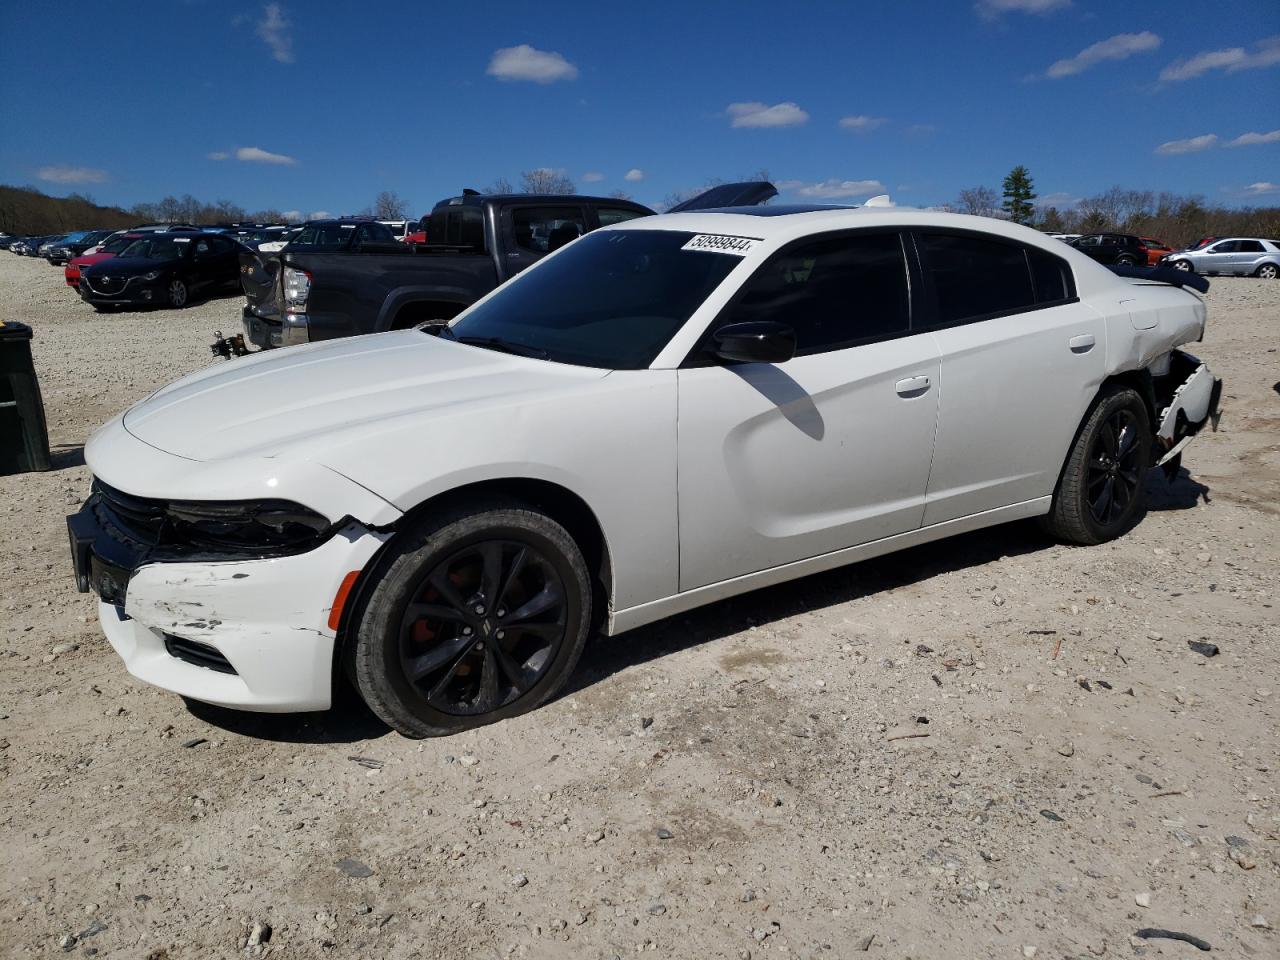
x=197, y=654
x=136, y=518
x=106, y=285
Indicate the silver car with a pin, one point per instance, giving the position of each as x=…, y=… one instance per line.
x=1232, y=257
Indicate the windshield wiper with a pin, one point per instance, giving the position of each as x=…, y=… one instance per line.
x=503, y=346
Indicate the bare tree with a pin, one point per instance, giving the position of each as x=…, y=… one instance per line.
x=501, y=185
x=544, y=180
x=619, y=195
x=389, y=206
x=977, y=202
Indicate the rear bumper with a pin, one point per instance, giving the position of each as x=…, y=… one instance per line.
x=1194, y=402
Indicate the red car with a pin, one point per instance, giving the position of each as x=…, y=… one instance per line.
x=1155, y=250
x=109, y=249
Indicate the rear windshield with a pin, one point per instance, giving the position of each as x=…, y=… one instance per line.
x=612, y=300
x=324, y=236
x=158, y=247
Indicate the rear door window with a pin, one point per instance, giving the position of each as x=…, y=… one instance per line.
x=974, y=277
x=612, y=215
x=1250, y=246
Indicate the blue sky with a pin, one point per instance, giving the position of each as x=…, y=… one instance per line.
x=312, y=106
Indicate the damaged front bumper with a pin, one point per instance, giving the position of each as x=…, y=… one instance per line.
x=1191, y=398
x=252, y=634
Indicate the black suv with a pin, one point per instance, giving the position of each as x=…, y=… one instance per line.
x=1118, y=249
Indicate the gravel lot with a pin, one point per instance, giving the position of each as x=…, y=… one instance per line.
x=993, y=746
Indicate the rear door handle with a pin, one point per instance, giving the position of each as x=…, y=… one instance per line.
x=1082, y=344
x=912, y=386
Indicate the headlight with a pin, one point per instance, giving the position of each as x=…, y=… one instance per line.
x=246, y=526
x=153, y=275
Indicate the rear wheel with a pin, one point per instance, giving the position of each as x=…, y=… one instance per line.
x=476, y=616
x=1102, y=489
x=1268, y=271
x=1125, y=262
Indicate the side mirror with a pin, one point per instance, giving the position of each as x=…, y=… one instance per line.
x=760, y=341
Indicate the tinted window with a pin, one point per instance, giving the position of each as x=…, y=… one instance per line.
x=834, y=292
x=611, y=215
x=611, y=301
x=545, y=229
x=975, y=277
x=1226, y=246
x=158, y=247
x=1250, y=246
x=1051, y=275
x=457, y=226
x=323, y=236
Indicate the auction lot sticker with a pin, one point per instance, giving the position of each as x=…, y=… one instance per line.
x=716, y=243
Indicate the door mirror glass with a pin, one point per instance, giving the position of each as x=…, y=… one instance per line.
x=758, y=341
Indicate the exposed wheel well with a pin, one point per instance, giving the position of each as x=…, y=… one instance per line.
x=1139, y=380
x=562, y=505
x=420, y=311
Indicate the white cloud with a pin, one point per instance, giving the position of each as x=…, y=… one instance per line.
x=527, y=63
x=291, y=214
x=861, y=122
x=634, y=175
x=756, y=114
x=991, y=9
x=1252, y=139
x=832, y=189
x=1262, y=187
x=258, y=155
x=1061, y=200
x=319, y=215
x=1190, y=145
x=218, y=155
x=592, y=176
x=273, y=30
x=1232, y=59
x=1119, y=47
x=60, y=173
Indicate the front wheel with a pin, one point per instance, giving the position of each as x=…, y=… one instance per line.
x=1268, y=271
x=477, y=615
x=177, y=293
x=1102, y=489
x=1183, y=265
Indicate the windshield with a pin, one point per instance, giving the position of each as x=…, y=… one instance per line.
x=158, y=247
x=612, y=300
x=323, y=236
x=118, y=244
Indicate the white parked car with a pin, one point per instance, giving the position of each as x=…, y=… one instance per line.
x=660, y=415
x=1234, y=256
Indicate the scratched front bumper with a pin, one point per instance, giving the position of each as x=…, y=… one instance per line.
x=267, y=618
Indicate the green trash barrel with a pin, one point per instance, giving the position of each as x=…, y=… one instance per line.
x=24, y=439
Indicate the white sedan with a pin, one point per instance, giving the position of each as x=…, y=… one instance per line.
x=661, y=415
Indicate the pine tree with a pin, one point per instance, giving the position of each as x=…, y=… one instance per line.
x=1019, y=191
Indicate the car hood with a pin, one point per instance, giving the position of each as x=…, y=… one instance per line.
x=302, y=400
x=132, y=266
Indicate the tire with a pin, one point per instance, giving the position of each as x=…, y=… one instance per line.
x=1268, y=271
x=1126, y=262
x=178, y=294
x=1183, y=265
x=479, y=660
x=1102, y=490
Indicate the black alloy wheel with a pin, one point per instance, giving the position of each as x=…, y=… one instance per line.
x=1114, y=468
x=485, y=626
x=473, y=614
x=1101, y=491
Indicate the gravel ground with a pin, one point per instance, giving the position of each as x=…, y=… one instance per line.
x=993, y=746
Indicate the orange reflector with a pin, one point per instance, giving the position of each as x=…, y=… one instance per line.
x=340, y=600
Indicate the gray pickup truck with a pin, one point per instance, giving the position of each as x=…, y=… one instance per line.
x=338, y=278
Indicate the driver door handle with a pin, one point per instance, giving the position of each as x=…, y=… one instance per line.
x=912, y=386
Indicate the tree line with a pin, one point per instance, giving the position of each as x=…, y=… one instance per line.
x=1177, y=219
